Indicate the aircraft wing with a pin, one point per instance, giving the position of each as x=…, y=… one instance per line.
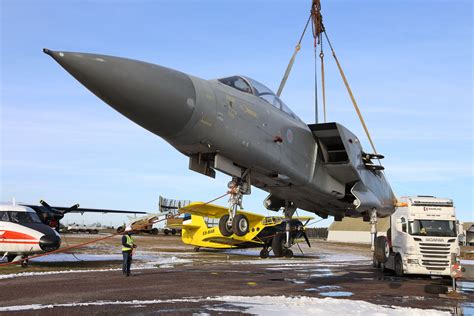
x=214, y=211
x=64, y=210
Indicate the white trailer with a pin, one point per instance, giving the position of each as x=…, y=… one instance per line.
x=422, y=238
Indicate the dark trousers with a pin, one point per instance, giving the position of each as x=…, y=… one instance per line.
x=127, y=262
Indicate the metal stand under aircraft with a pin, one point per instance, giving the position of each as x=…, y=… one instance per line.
x=373, y=229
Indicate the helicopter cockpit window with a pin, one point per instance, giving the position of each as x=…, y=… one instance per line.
x=24, y=218
x=4, y=217
x=237, y=83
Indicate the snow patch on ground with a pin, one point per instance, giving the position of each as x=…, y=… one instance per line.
x=467, y=262
x=26, y=274
x=262, y=305
x=145, y=261
x=282, y=305
x=69, y=257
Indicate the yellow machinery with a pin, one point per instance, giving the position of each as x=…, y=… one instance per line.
x=201, y=229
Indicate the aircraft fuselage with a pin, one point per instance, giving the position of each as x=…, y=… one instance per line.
x=220, y=127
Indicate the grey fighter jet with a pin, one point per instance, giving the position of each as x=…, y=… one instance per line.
x=238, y=126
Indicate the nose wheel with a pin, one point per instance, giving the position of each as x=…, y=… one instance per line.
x=240, y=225
x=224, y=227
x=234, y=223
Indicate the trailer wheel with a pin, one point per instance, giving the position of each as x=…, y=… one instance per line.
x=166, y=232
x=398, y=266
x=173, y=231
x=264, y=253
x=382, y=249
x=277, y=245
x=154, y=231
x=224, y=227
x=240, y=225
x=196, y=249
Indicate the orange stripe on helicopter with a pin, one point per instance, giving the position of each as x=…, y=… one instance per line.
x=8, y=234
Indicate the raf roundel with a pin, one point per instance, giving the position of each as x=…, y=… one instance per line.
x=289, y=135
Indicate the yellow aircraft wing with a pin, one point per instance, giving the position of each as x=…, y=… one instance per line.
x=215, y=211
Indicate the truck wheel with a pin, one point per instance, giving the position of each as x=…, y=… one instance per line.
x=264, y=253
x=224, y=228
x=375, y=262
x=167, y=232
x=154, y=231
x=173, y=231
x=240, y=225
x=196, y=249
x=277, y=245
x=398, y=266
x=382, y=250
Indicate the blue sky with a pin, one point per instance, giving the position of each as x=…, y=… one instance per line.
x=409, y=64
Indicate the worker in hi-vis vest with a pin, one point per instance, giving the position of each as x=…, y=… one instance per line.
x=128, y=244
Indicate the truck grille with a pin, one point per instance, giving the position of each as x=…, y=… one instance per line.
x=435, y=256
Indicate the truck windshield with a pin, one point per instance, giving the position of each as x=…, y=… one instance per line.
x=432, y=228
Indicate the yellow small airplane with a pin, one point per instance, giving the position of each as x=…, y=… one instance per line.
x=203, y=228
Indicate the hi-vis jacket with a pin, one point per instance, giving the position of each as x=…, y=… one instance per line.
x=127, y=243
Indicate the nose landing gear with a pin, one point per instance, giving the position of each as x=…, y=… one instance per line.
x=234, y=223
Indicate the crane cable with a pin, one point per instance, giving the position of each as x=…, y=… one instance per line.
x=318, y=29
x=356, y=107
x=323, y=85
x=292, y=60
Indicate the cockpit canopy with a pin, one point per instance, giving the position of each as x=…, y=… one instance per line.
x=254, y=87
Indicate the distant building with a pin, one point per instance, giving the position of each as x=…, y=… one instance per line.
x=469, y=233
x=355, y=230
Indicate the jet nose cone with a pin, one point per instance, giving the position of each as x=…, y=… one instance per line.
x=49, y=242
x=157, y=98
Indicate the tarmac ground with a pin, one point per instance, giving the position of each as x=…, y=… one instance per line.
x=168, y=276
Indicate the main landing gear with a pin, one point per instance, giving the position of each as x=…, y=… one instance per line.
x=23, y=259
x=283, y=240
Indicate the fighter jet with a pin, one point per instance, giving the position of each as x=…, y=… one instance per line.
x=240, y=127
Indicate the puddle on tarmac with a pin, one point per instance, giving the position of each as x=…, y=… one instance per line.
x=297, y=281
x=320, y=273
x=336, y=294
x=324, y=288
x=467, y=308
x=466, y=287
